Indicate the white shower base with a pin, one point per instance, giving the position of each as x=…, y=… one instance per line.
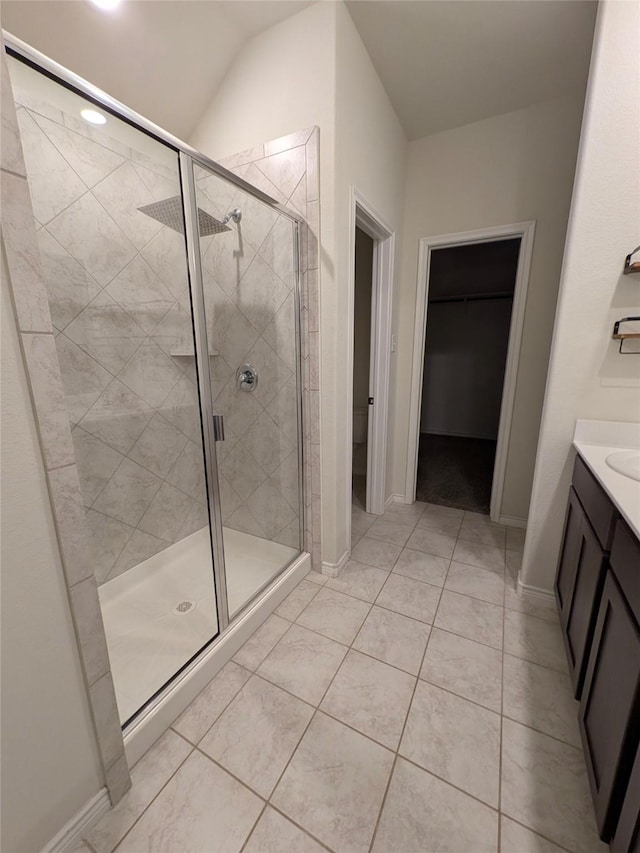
x=148, y=640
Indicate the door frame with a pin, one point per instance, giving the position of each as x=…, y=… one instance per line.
x=526, y=232
x=366, y=217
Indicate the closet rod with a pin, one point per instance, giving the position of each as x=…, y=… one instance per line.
x=471, y=297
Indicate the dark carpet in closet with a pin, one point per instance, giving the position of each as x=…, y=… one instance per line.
x=455, y=471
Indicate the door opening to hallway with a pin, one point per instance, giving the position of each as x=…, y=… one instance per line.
x=470, y=300
x=364, y=258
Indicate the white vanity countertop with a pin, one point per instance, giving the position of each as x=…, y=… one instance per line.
x=594, y=441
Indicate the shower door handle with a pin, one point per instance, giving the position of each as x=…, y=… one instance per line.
x=218, y=427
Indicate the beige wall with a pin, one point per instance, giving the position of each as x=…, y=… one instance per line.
x=587, y=376
x=283, y=80
x=314, y=69
x=50, y=767
x=506, y=169
x=371, y=156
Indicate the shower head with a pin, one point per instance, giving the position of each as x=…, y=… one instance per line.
x=169, y=213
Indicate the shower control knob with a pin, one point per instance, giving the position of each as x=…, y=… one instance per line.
x=246, y=378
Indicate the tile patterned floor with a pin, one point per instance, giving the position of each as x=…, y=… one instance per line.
x=414, y=704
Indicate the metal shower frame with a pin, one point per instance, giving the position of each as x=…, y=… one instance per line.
x=188, y=157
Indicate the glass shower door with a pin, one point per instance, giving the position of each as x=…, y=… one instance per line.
x=110, y=228
x=248, y=260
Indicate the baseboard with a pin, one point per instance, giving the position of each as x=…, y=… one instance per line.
x=512, y=521
x=397, y=499
x=80, y=824
x=332, y=570
x=536, y=592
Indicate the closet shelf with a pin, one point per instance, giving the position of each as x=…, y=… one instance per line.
x=472, y=297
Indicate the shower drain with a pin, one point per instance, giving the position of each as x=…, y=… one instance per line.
x=184, y=607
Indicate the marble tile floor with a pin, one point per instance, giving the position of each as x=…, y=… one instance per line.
x=149, y=638
x=414, y=704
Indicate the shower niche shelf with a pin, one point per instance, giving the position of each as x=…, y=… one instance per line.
x=185, y=353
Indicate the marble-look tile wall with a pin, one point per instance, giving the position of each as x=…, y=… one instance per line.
x=249, y=285
x=118, y=294
x=287, y=170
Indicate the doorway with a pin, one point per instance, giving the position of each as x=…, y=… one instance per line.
x=370, y=302
x=469, y=315
x=361, y=364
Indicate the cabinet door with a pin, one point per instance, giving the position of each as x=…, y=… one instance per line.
x=579, y=583
x=610, y=709
x=626, y=838
x=566, y=575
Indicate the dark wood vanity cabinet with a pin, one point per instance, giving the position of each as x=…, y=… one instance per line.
x=587, y=538
x=626, y=838
x=609, y=713
x=598, y=594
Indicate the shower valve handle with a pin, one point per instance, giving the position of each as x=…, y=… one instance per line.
x=246, y=378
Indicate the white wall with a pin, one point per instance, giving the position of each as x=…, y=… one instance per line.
x=313, y=69
x=371, y=150
x=50, y=766
x=509, y=168
x=587, y=376
x=283, y=80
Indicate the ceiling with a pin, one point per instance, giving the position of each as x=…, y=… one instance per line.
x=163, y=58
x=444, y=63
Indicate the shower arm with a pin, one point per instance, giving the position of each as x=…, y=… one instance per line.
x=235, y=214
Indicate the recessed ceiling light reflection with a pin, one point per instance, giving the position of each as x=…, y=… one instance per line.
x=93, y=117
x=107, y=5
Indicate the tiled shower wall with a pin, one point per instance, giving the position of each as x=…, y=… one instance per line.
x=118, y=294
x=287, y=169
x=33, y=315
x=249, y=287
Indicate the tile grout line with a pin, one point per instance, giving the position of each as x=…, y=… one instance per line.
x=501, y=747
x=155, y=797
x=195, y=745
x=13, y=174
x=321, y=700
x=409, y=707
x=430, y=625
x=449, y=783
x=370, y=738
x=539, y=835
x=277, y=809
x=253, y=828
x=317, y=709
x=73, y=133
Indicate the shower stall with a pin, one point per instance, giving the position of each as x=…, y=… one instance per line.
x=174, y=293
